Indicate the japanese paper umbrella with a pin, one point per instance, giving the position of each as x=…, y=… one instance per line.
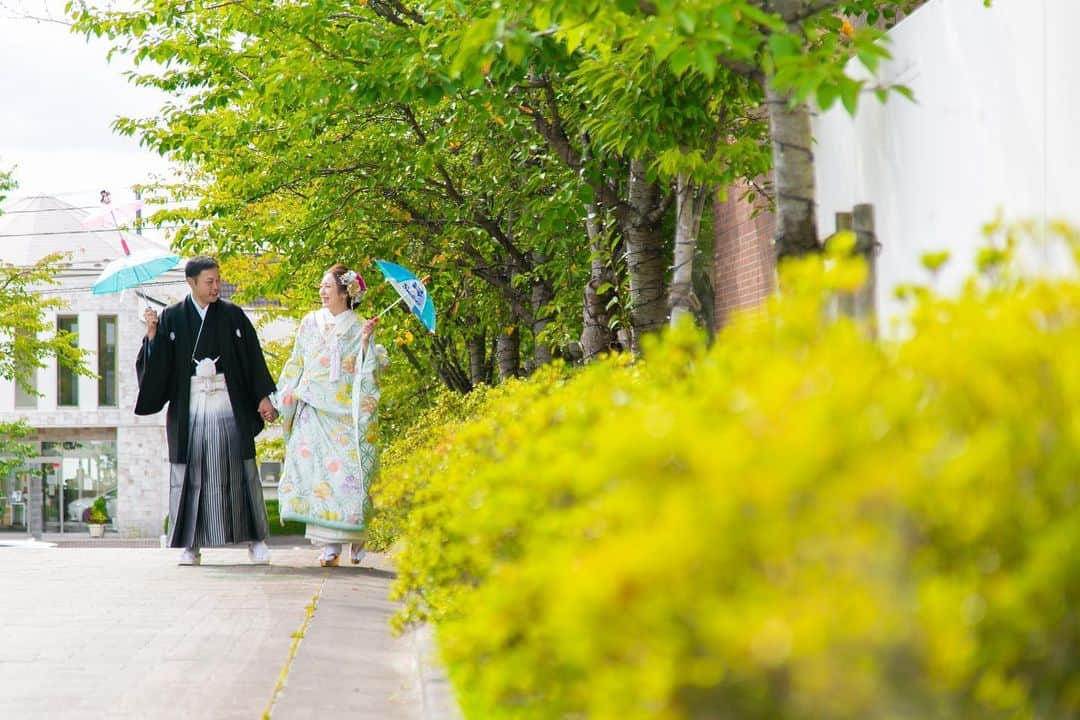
x=411, y=291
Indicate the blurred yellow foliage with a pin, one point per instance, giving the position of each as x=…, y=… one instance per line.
x=799, y=522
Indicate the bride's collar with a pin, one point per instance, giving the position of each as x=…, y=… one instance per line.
x=340, y=322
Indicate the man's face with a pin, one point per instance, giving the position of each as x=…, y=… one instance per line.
x=206, y=286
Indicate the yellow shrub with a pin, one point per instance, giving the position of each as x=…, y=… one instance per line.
x=796, y=523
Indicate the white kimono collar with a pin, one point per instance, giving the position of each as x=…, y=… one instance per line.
x=337, y=324
x=332, y=327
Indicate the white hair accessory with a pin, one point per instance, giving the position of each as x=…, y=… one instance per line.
x=353, y=283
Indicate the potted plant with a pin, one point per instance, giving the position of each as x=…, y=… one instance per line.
x=96, y=518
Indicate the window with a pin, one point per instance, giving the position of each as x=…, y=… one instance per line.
x=106, y=369
x=67, y=382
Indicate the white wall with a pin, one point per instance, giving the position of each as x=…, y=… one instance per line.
x=997, y=92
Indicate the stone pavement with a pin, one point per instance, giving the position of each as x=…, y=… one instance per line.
x=126, y=633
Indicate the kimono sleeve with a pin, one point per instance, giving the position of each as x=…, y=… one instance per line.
x=153, y=367
x=290, y=379
x=262, y=383
x=373, y=358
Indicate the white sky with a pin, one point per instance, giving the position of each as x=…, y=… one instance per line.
x=58, y=98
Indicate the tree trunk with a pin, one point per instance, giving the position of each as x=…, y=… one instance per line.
x=448, y=368
x=508, y=353
x=645, y=254
x=689, y=204
x=793, y=166
x=478, y=369
x=542, y=295
x=597, y=335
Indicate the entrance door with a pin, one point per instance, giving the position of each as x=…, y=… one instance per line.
x=76, y=473
x=52, y=490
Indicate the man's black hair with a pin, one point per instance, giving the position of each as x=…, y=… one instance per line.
x=199, y=263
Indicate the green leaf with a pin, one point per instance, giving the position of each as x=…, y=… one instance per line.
x=904, y=91
x=783, y=45
x=680, y=61
x=705, y=61
x=849, y=93
x=686, y=21
x=827, y=93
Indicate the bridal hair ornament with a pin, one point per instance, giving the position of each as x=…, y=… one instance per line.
x=354, y=284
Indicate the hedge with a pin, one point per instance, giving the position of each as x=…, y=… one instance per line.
x=799, y=522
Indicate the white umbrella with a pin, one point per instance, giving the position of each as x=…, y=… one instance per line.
x=112, y=216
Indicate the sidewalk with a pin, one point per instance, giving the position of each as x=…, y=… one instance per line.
x=125, y=633
x=113, y=540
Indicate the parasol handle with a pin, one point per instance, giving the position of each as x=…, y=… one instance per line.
x=390, y=307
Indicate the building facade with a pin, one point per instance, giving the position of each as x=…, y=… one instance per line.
x=88, y=441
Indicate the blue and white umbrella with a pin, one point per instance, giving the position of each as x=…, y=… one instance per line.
x=134, y=269
x=411, y=291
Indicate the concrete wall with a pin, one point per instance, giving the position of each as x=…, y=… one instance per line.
x=997, y=93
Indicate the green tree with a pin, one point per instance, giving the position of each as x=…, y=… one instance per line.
x=345, y=126
x=795, y=51
x=547, y=162
x=309, y=137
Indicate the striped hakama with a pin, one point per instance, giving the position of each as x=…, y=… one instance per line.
x=216, y=497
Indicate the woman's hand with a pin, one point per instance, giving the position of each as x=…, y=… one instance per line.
x=287, y=398
x=367, y=330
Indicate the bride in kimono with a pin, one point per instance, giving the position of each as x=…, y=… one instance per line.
x=328, y=398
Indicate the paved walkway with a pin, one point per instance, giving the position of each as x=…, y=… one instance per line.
x=126, y=633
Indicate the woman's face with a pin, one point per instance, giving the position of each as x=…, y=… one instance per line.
x=332, y=294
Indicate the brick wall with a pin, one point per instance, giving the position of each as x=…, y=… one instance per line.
x=743, y=254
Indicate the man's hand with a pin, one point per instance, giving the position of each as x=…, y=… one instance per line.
x=151, y=319
x=266, y=410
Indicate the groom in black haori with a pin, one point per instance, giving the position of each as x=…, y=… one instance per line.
x=202, y=358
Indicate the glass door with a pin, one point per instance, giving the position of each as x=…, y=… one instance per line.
x=75, y=475
x=52, y=491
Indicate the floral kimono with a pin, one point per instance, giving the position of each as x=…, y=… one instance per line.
x=329, y=426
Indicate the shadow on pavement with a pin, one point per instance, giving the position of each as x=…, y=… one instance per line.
x=293, y=571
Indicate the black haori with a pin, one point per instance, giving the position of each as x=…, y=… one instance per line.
x=216, y=497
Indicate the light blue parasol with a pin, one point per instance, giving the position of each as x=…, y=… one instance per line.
x=134, y=269
x=411, y=291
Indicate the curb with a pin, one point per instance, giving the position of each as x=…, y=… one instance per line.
x=436, y=694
